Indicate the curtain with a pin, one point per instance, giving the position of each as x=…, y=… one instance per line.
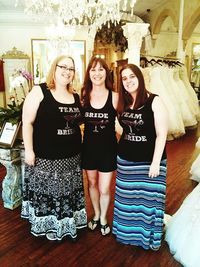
x=2, y=84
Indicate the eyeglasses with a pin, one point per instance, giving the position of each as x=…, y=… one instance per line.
x=66, y=68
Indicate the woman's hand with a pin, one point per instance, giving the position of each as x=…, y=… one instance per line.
x=154, y=170
x=30, y=158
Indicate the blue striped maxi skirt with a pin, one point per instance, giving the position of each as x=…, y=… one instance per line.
x=139, y=204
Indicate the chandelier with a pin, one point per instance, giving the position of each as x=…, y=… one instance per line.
x=60, y=36
x=92, y=13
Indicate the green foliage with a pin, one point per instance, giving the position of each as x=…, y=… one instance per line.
x=112, y=33
x=12, y=114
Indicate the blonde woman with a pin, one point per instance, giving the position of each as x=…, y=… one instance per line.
x=53, y=196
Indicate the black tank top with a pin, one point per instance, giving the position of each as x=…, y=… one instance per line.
x=56, y=132
x=137, y=142
x=100, y=124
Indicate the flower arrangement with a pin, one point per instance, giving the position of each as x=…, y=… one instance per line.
x=19, y=86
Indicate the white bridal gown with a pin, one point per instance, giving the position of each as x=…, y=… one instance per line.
x=187, y=116
x=191, y=92
x=159, y=86
x=183, y=228
x=183, y=231
x=180, y=99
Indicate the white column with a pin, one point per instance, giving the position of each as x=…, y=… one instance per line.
x=180, y=52
x=135, y=32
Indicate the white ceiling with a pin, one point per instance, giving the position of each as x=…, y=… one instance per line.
x=9, y=6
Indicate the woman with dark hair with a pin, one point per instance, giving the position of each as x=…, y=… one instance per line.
x=99, y=143
x=53, y=195
x=141, y=163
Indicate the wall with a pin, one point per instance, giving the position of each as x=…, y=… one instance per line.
x=163, y=20
x=172, y=8
x=164, y=31
x=20, y=36
x=166, y=41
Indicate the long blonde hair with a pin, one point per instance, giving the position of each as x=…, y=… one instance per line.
x=50, y=80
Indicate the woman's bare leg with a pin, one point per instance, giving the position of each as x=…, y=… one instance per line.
x=105, y=179
x=92, y=176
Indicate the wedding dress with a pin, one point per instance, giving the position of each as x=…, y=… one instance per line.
x=183, y=231
x=186, y=94
x=188, y=118
x=159, y=86
x=183, y=228
x=193, y=96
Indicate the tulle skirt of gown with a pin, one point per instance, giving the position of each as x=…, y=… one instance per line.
x=188, y=118
x=187, y=96
x=158, y=86
x=183, y=231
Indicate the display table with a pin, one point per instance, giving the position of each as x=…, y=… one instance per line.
x=12, y=182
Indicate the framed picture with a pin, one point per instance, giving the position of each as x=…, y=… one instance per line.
x=8, y=134
x=15, y=60
x=45, y=51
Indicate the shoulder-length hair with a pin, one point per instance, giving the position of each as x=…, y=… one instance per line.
x=125, y=98
x=87, y=84
x=50, y=80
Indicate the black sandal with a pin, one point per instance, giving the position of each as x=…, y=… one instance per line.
x=94, y=224
x=103, y=229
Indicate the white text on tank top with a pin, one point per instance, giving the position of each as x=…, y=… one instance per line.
x=71, y=115
x=98, y=124
x=134, y=122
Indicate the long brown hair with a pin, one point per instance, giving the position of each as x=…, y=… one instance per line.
x=50, y=80
x=87, y=84
x=125, y=98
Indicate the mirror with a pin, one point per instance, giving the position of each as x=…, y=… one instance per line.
x=16, y=76
x=195, y=67
x=44, y=51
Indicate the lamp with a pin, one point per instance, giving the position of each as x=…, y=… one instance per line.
x=92, y=13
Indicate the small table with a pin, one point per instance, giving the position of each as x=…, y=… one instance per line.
x=12, y=182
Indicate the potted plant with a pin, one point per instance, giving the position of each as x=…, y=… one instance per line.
x=19, y=81
x=12, y=114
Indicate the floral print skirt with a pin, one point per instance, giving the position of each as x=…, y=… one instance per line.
x=53, y=197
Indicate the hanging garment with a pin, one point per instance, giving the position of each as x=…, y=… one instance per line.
x=159, y=86
x=192, y=93
x=188, y=118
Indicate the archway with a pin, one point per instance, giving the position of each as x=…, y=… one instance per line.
x=191, y=23
x=163, y=15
